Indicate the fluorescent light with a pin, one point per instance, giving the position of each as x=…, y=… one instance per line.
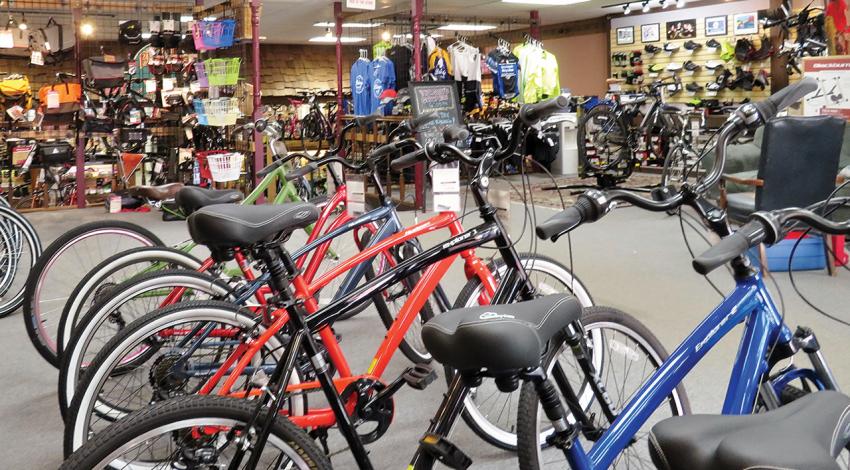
x=410, y=36
x=329, y=24
x=546, y=2
x=344, y=39
x=466, y=27
x=186, y=18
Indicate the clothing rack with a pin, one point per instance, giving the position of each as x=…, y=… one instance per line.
x=533, y=42
x=462, y=38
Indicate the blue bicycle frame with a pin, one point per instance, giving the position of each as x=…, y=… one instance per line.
x=750, y=303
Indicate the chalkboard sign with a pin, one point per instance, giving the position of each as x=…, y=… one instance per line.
x=440, y=98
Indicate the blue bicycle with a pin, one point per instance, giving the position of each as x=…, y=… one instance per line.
x=624, y=375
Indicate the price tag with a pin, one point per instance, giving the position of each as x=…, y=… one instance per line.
x=6, y=40
x=167, y=84
x=36, y=58
x=52, y=99
x=194, y=87
x=135, y=116
x=150, y=85
x=184, y=155
x=446, y=183
x=157, y=167
x=356, y=192
x=710, y=93
x=47, y=46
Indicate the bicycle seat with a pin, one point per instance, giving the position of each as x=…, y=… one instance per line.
x=499, y=337
x=669, y=108
x=192, y=198
x=808, y=433
x=234, y=225
x=156, y=193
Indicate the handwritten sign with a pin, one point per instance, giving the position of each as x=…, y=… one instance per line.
x=435, y=97
x=360, y=4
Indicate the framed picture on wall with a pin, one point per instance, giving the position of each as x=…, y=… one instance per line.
x=682, y=29
x=745, y=23
x=626, y=35
x=650, y=32
x=715, y=25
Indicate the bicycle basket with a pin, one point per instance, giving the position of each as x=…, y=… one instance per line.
x=201, y=72
x=226, y=166
x=213, y=34
x=203, y=163
x=217, y=112
x=222, y=72
x=103, y=73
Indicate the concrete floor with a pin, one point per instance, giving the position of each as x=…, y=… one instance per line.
x=632, y=260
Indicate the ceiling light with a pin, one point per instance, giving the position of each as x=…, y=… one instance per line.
x=330, y=24
x=343, y=39
x=385, y=36
x=466, y=27
x=663, y=4
x=645, y=8
x=328, y=33
x=186, y=18
x=627, y=8
x=23, y=24
x=546, y=2
x=86, y=29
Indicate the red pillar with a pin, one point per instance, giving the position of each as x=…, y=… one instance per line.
x=534, y=28
x=416, y=7
x=79, y=151
x=259, y=147
x=338, y=32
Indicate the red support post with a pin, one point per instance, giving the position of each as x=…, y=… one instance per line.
x=534, y=27
x=338, y=31
x=259, y=146
x=416, y=7
x=79, y=151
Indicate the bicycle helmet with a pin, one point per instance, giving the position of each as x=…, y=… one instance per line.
x=674, y=66
x=650, y=49
x=691, y=66
x=712, y=44
x=656, y=68
x=691, y=45
x=670, y=47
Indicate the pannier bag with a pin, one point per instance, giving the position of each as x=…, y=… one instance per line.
x=67, y=96
x=15, y=91
x=57, y=152
x=103, y=73
x=130, y=32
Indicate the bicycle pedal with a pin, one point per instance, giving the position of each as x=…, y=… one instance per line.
x=420, y=376
x=445, y=452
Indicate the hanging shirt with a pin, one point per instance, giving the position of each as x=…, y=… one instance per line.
x=505, y=68
x=466, y=61
x=361, y=88
x=440, y=64
x=382, y=78
x=402, y=57
x=380, y=48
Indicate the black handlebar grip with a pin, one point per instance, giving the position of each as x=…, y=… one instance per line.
x=301, y=171
x=531, y=114
x=584, y=210
x=270, y=168
x=455, y=133
x=387, y=149
x=730, y=247
x=260, y=125
x=419, y=121
x=365, y=121
x=785, y=97
x=407, y=160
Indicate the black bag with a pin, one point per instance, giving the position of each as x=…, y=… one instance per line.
x=56, y=152
x=104, y=74
x=97, y=124
x=130, y=32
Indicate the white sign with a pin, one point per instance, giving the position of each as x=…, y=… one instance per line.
x=360, y=4
x=356, y=192
x=446, y=188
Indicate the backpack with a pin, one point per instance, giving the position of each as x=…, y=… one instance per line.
x=15, y=90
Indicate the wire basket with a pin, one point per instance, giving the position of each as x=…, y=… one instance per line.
x=225, y=167
x=217, y=112
x=201, y=72
x=210, y=35
x=222, y=72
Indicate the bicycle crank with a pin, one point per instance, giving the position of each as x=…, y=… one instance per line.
x=373, y=411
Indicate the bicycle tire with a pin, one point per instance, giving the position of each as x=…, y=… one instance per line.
x=23, y=230
x=72, y=365
x=475, y=418
x=528, y=418
x=92, y=284
x=90, y=399
x=37, y=331
x=192, y=409
x=624, y=152
x=312, y=130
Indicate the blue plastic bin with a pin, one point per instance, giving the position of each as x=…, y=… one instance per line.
x=810, y=254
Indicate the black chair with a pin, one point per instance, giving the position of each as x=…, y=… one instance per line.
x=798, y=166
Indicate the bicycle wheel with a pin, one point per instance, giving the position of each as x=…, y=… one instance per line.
x=163, y=355
x=312, y=134
x=62, y=264
x=678, y=167
x=20, y=248
x=625, y=354
x=97, y=284
x=488, y=411
x=166, y=435
x=127, y=302
x=603, y=139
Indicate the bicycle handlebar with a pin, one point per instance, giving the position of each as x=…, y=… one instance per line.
x=594, y=204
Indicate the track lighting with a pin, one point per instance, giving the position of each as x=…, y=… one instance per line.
x=23, y=24
x=86, y=29
x=385, y=35
x=663, y=4
x=680, y=3
x=627, y=8
x=645, y=8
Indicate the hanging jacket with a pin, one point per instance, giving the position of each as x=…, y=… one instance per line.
x=440, y=64
x=382, y=78
x=361, y=86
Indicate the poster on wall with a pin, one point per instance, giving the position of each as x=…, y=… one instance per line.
x=650, y=32
x=682, y=29
x=715, y=25
x=832, y=97
x=626, y=35
x=745, y=23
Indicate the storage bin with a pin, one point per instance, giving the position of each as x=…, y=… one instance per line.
x=810, y=254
